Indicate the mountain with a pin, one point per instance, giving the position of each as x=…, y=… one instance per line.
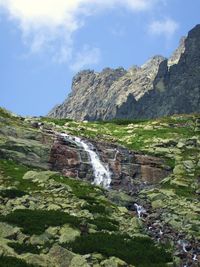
x=99, y=194
x=158, y=88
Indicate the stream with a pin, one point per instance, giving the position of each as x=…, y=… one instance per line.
x=102, y=177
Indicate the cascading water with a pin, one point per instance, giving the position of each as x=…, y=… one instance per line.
x=101, y=173
x=140, y=210
x=103, y=177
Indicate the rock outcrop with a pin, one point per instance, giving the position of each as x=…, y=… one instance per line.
x=158, y=88
x=130, y=171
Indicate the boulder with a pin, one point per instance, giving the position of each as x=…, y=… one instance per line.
x=79, y=261
x=68, y=234
x=113, y=262
x=60, y=256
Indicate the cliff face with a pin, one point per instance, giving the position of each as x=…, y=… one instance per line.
x=158, y=88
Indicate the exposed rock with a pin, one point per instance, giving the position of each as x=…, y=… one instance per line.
x=113, y=262
x=8, y=231
x=79, y=261
x=130, y=171
x=60, y=256
x=38, y=260
x=68, y=234
x=158, y=88
x=174, y=59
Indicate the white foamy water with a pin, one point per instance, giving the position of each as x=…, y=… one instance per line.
x=140, y=210
x=101, y=172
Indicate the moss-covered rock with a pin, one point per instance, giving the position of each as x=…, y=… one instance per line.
x=68, y=234
x=79, y=261
x=113, y=262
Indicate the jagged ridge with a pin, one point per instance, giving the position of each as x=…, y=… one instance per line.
x=158, y=88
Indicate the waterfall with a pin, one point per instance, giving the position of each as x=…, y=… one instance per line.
x=140, y=210
x=101, y=172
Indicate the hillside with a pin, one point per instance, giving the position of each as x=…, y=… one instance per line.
x=51, y=213
x=160, y=87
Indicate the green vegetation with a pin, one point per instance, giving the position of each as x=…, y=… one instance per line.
x=99, y=224
x=12, y=193
x=14, y=172
x=6, y=261
x=138, y=251
x=5, y=114
x=122, y=121
x=182, y=191
x=96, y=208
x=105, y=223
x=135, y=134
x=37, y=221
x=81, y=189
x=60, y=122
x=90, y=193
x=24, y=248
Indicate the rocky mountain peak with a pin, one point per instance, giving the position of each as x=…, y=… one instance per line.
x=192, y=48
x=174, y=59
x=159, y=87
x=81, y=77
x=155, y=60
x=151, y=66
x=194, y=32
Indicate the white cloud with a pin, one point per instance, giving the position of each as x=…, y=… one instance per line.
x=48, y=25
x=88, y=56
x=166, y=27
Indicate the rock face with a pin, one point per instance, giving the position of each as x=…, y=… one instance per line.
x=158, y=88
x=130, y=171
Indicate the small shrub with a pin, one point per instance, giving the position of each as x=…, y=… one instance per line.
x=104, y=223
x=15, y=172
x=24, y=248
x=37, y=221
x=60, y=122
x=96, y=208
x=80, y=189
x=6, y=261
x=5, y=114
x=12, y=193
x=122, y=121
x=138, y=251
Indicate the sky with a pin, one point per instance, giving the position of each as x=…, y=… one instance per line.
x=44, y=43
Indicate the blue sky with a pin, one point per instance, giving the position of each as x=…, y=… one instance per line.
x=45, y=42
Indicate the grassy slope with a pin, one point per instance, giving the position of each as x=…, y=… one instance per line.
x=81, y=205
x=177, y=140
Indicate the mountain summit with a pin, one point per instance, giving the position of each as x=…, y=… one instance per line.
x=158, y=88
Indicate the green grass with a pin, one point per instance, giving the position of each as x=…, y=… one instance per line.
x=14, y=172
x=122, y=121
x=5, y=114
x=174, y=127
x=81, y=189
x=6, y=261
x=24, y=248
x=138, y=251
x=182, y=191
x=60, y=122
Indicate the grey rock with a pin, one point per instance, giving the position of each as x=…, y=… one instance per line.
x=158, y=88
